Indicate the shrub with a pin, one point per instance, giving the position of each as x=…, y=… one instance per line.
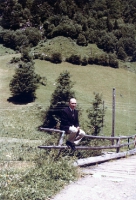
x=15, y=60
x=113, y=62
x=74, y=59
x=81, y=40
x=121, y=54
x=84, y=61
x=91, y=60
x=56, y=58
x=102, y=59
x=107, y=42
x=33, y=35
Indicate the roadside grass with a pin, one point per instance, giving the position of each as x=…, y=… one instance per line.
x=30, y=173
x=41, y=181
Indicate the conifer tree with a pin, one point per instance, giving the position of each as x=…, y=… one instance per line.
x=24, y=82
x=59, y=99
x=96, y=114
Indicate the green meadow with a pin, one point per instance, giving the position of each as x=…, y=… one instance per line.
x=19, y=135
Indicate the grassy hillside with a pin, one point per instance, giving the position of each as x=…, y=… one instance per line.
x=22, y=163
x=65, y=46
x=88, y=79
x=99, y=79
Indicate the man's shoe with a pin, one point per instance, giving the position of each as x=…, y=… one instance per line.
x=71, y=145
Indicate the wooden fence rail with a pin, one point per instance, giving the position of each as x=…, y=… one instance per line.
x=116, y=146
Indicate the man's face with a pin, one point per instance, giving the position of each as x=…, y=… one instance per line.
x=72, y=103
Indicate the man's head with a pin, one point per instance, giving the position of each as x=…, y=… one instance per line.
x=72, y=103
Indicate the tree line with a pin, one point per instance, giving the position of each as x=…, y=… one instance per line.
x=110, y=24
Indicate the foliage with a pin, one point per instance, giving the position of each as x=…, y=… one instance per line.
x=113, y=62
x=56, y=58
x=107, y=42
x=74, y=59
x=59, y=99
x=121, y=54
x=84, y=61
x=104, y=23
x=24, y=82
x=36, y=182
x=96, y=114
x=81, y=40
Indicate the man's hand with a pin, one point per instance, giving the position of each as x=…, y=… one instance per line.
x=78, y=130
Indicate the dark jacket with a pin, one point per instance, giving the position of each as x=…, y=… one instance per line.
x=67, y=119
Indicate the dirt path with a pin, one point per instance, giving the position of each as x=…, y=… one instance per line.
x=111, y=180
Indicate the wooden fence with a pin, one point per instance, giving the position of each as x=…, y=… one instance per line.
x=116, y=142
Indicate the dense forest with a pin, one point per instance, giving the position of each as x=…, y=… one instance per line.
x=110, y=24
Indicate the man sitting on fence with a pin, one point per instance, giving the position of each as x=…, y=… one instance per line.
x=70, y=124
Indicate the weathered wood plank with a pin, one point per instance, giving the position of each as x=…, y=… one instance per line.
x=109, y=138
x=51, y=130
x=104, y=158
x=79, y=147
x=89, y=136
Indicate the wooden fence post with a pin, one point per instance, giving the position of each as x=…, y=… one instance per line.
x=61, y=138
x=113, y=115
x=118, y=143
x=128, y=143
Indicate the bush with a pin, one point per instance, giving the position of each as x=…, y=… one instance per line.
x=81, y=40
x=102, y=59
x=84, y=61
x=113, y=62
x=33, y=35
x=56, y=58
x=15, y=60
x=121, y=54
x=91, y=60
x=74, y=59
x=107, y=42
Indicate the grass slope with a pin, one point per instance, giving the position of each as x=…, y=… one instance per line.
x=88, y=79
x=21, y=161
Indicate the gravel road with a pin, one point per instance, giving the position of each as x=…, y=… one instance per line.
x=111, y=180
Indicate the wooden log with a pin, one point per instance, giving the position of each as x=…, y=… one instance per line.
x=118, y=143
x=103, y=158
x=89, y=136
x=51, y=130
x=79, y=147
x=126, y=144
x=109, y=138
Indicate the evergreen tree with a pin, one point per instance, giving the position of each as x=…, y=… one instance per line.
x=96, y=114
x=24, y=82
x=59, y=99
x=121, y=54
x=109, y=24
x=81, y=40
